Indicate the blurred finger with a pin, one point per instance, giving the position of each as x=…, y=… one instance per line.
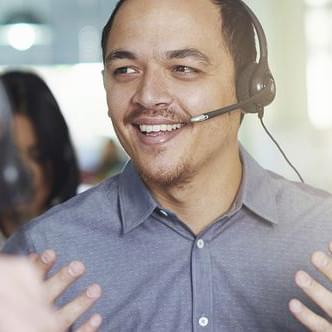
x=44, y=262
x=319, y=294
x=323, y=263
x=91, y=325
x=68, y=314
x=59, y=282
x=308, y=318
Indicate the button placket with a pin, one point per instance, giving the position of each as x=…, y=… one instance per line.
x=202, y=286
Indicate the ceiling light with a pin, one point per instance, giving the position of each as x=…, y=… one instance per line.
x=23, y=30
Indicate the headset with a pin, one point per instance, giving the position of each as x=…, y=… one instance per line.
x=255, y=87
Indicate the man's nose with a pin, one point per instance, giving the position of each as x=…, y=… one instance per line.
x=152, y=92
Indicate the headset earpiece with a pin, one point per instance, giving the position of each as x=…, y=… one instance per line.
x=263, y=84
x=256, y=80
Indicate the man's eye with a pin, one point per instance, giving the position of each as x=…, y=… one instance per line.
x=185, y=69
x=124, y=71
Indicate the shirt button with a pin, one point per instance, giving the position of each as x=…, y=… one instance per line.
x=203, y=321
x=163, y=213
x=200, y=244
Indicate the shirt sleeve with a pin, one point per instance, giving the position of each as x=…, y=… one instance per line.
x=19, y=244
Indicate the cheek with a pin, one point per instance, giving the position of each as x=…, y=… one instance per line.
x=119, y=95
x=39, y=178
x=203, y=98
x=41, y=189
x=118, y=101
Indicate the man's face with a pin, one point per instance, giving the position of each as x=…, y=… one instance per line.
x=165, y=62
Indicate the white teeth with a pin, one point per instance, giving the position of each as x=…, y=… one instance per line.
x=159, y=128
x=156, y=128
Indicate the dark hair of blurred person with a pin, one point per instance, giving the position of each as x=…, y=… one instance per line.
x=44, y=144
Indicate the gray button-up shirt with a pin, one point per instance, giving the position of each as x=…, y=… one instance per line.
x=156, y=275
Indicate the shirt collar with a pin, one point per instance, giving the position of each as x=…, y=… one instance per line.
x=258, y=193
x=259, y=190
x=136, y=202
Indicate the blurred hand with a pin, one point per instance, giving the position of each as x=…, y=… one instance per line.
x=23, y=304
x=319, y=294
x=58, y=283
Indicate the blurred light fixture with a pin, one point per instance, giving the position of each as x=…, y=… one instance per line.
x=22, y=30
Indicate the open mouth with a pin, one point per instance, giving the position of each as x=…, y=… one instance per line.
x=160, y=129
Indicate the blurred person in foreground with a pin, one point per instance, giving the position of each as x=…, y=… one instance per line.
x=193, y=235
x=25, y=306
x=44, y=145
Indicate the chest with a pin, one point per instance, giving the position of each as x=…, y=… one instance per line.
x=181, y=285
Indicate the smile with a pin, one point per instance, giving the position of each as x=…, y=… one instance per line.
x=146, y=128
x=152, y=134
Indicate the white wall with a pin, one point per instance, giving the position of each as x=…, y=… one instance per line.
x=310, y=149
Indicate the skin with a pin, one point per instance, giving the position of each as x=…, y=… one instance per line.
x=148, y=83
x=316, y=292
x=58, y=283
x=23, y=295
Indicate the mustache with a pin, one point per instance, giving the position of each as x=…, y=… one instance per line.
x=167, y=112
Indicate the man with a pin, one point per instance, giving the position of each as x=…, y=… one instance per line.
x=194, y=235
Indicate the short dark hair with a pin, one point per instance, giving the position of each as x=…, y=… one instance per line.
x=237, y=29
x=30, y=96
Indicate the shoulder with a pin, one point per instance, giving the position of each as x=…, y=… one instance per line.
x=73, y=220
x=300, y=200
x=93, y=202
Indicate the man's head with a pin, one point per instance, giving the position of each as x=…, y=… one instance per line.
x=236, y=28
x=166, y=61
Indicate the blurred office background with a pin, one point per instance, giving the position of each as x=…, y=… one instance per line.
x=59, y=39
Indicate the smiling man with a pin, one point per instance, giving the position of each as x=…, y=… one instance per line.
x=156, y=79
x=193, y=235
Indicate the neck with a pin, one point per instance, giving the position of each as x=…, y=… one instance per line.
x=207, y=196
x=8, y=226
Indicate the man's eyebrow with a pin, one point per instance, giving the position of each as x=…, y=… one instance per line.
x=120, y=54
x=188, y=53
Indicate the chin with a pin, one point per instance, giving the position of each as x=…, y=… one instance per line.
x=165, y=175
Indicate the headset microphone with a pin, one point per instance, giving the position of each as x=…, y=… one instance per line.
x=227, y=109
x=255, y=86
